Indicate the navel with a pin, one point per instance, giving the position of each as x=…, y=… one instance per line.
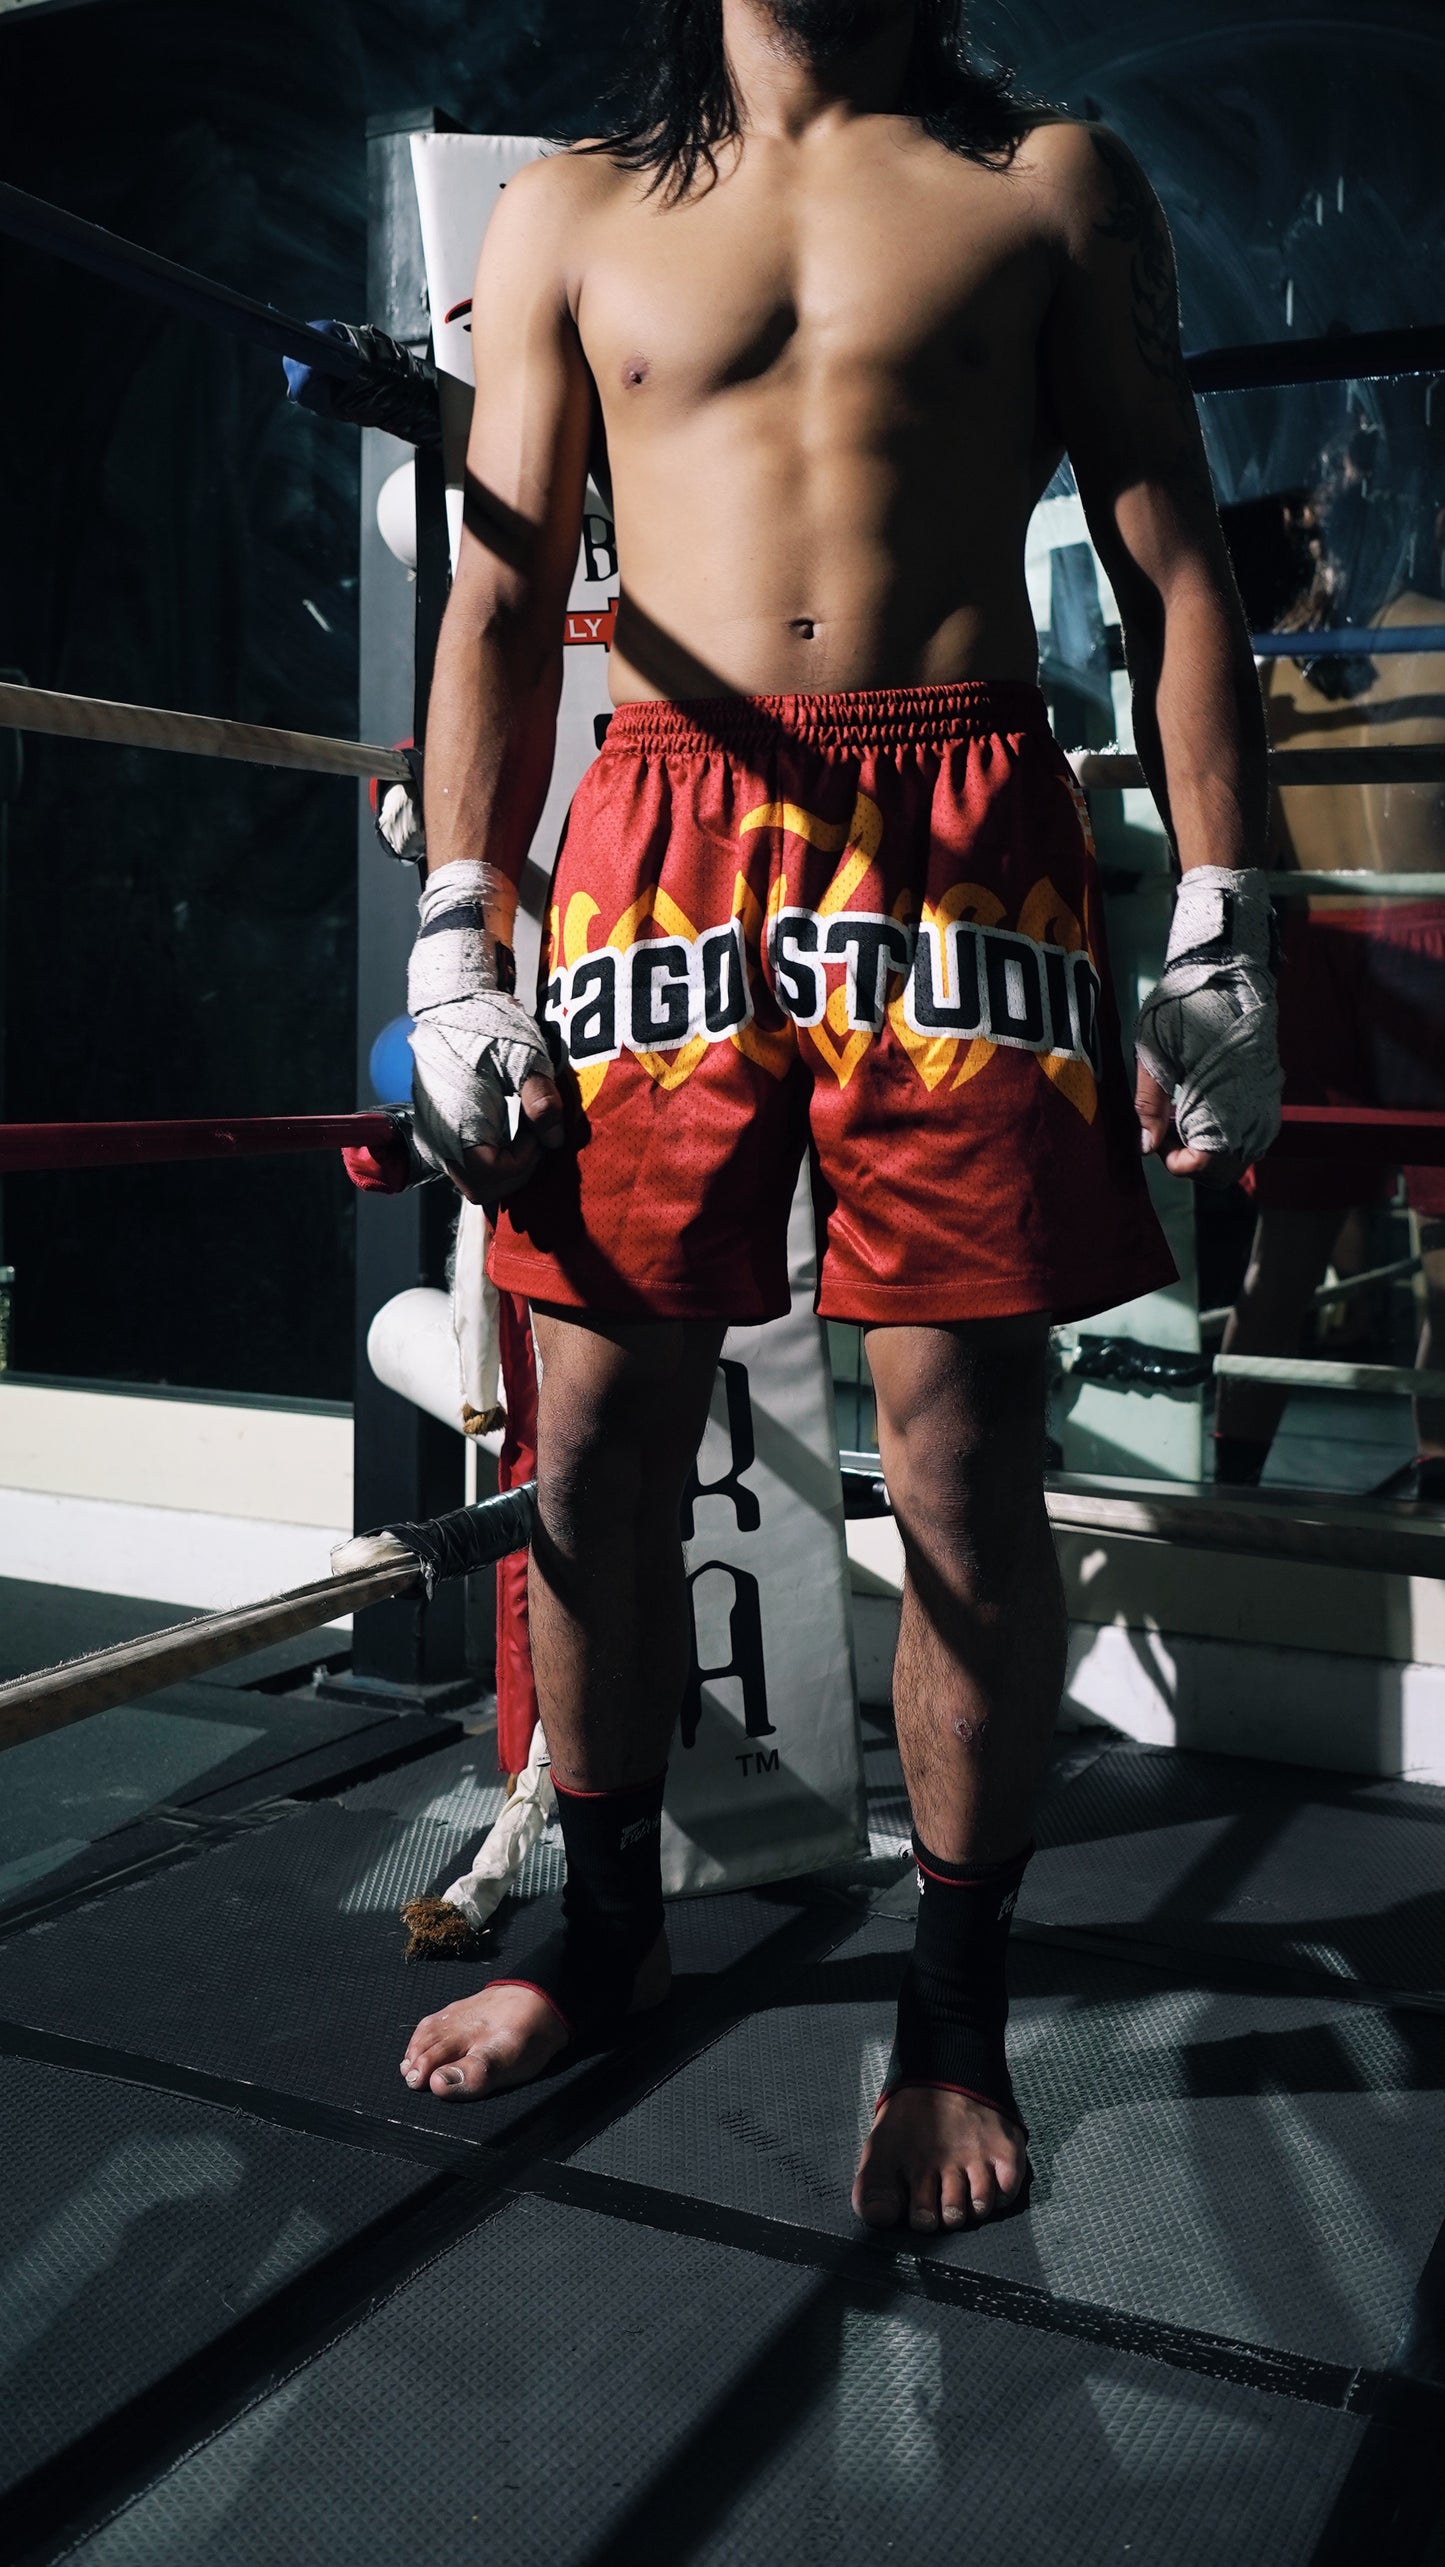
x=804, y=626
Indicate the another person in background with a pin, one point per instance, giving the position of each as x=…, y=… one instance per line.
x=1362, y=991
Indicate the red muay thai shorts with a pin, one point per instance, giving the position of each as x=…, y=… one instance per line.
x=867, y=925
x=1361, y=1022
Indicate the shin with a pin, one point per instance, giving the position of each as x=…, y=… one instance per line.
x=978, y=1674
x=621, y=1414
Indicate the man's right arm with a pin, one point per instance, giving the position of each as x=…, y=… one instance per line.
x=491, y=722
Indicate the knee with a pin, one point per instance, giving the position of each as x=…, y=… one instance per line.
x=611, y=1446
x=971, y=1516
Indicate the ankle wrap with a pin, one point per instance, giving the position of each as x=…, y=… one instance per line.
x=953, y=2004
x=611, y=1907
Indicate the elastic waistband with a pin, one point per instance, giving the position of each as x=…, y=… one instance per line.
x=891, y=717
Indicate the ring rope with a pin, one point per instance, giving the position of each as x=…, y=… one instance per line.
x=204, y=735
x=1352, y=641
x=1387, y=1136
x=1356, y=358
x=1357, y=885
x=1379, y=1134
x=1398, y=1543
x=366, y=1571
x=1327, y=1294
x=148, y=726
x=43, y=226
x=1308, y=1372
x=1115, y=770
x=36, y=1146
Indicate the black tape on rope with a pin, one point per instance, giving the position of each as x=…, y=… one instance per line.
x=474, y=1537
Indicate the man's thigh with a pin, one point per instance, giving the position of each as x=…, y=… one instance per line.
x=954, y=1399
x=622, y=1387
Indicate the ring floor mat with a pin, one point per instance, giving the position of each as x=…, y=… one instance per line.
x=278, y=1957
x=1270, y=2169
x=641, y=2325
x=71, y=1797
x=136, y=2227
x=1252, y=1863
x=648, y=2397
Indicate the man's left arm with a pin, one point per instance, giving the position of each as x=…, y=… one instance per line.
x=1116, y=389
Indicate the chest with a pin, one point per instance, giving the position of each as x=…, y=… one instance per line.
x=922, y=288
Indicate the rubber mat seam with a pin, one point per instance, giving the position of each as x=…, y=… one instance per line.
x=201, y=1831
x=874, y=2268
x=200, y=1836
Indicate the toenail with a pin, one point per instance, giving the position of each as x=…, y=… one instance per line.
x=413, y=2076
x=451, y=2076
x=953, y=2215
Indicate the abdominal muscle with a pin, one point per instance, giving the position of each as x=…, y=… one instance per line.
x=776, y=546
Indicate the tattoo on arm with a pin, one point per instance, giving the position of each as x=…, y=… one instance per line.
x=1134, y=219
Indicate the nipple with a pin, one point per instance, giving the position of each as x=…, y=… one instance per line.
x=635, y=371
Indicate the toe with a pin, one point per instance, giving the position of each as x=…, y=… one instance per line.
x=953, y=2201
x=982, y=2189
x=878, y=2196
x=879, y=2204
x=1009, y=2164
x=466, y=2075
x=923, y=2199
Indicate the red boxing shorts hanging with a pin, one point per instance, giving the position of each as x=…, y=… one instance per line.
x=868, y=924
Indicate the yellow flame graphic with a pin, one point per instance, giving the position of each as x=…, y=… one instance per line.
x=842, y=1046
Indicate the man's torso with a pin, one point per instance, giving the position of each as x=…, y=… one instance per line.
x=819, y=382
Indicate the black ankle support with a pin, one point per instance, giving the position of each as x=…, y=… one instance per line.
x=611, y=1908
x=953, y=2004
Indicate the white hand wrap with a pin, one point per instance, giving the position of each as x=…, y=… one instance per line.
x=473, y=1044
x=1209, y=1032
x=400, y=826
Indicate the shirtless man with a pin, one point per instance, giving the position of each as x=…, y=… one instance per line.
x=829, y=877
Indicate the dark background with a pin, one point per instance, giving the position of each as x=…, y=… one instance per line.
x=179, y=935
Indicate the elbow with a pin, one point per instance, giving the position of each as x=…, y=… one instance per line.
x=491, y=616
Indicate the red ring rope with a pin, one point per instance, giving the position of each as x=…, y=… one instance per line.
x=110, y=1145
x=1382, y=1135
x=1386, y=1136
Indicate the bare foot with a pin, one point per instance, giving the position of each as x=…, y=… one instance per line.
x=938, y=2159
x=505, y=2035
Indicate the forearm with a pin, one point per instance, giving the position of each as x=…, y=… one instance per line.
x=1199, y=718
x=491, y=736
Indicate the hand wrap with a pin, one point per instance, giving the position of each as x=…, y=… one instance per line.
x=1209, y=1032
x=473, y=1043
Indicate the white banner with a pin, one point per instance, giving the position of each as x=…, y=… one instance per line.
x=766, y=1775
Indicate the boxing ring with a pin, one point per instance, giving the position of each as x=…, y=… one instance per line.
x=263, y=2301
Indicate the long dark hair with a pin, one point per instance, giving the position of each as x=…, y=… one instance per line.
x=679, y=105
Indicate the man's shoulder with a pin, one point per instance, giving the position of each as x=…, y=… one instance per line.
x=547, y=209
x=1079, y=172
x=1067, y=154
x=569, y=180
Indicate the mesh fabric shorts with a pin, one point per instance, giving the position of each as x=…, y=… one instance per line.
x=865, y=923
